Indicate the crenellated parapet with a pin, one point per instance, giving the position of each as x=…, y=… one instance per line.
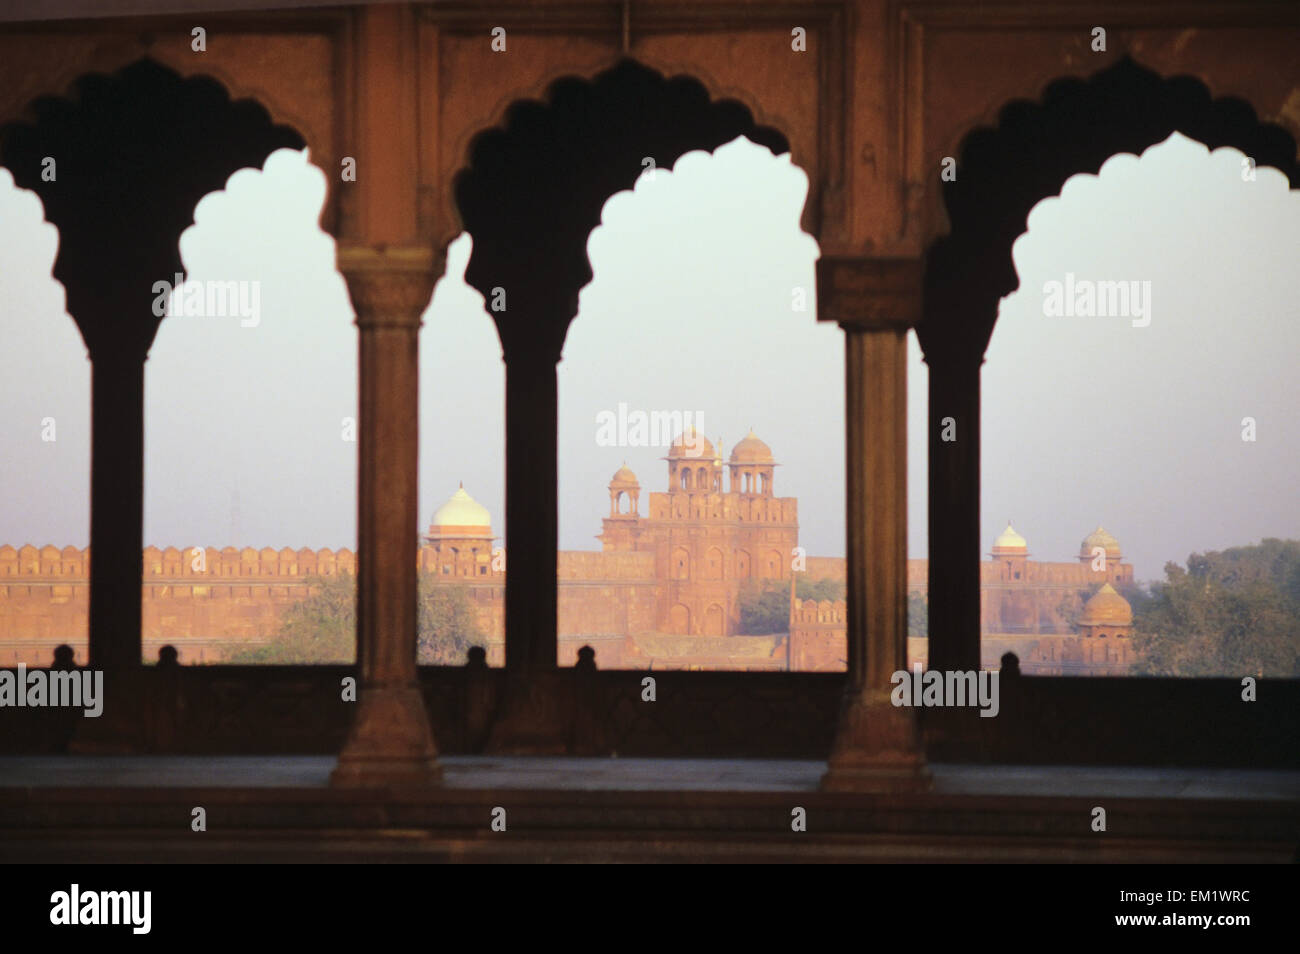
x=820, y=611
x=171, y=563
x=246, y=563
x=48, y=561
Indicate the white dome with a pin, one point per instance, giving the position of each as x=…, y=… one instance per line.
x=1010, y=540
x=462, y=510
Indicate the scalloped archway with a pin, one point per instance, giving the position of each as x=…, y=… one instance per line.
x=1074, y=128
x=120, y=164
x=1002, y=174
x=532, y=193
x=535, y=187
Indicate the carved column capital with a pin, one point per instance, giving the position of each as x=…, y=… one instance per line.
x=389, y=286
x=870, y=293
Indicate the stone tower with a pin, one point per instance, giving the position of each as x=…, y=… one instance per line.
x=1015, y=606
x=459, y=541
x=624, y=526
x=1100, y=544
x=752, y=467
x=708, y=543
x=1011, y=553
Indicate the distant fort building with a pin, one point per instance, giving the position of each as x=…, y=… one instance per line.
x=663, y=592
x=707, y=542
x=459, y=541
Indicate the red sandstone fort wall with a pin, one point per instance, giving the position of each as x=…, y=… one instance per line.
x=818, y=634
x=1076, y=574
x=826, y=568
x=206, y=601
x=837, y=568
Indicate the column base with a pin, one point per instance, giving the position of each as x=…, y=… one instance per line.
x=534, y=717
x=877, y=748
x=390, y=742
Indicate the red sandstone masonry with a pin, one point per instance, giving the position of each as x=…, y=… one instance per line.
x=605, y=598
x=240, y=595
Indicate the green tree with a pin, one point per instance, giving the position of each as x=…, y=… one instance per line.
x=1137, y=594
x=321, y=628
x=1070, y=608
x=447, y=623
x=764, y=607
x=823, y=588
x=1229, y=613
x=918, y=615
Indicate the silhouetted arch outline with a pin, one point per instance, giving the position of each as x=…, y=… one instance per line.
x=534, y=188
x=1075, y=127
x=135, y=150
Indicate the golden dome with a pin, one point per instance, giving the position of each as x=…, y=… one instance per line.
x=1099, y=538
x=691, y=444
x=1008, y=539
x=751, y=450
x=461, y=510
x=624, y=476
x=1106, y=608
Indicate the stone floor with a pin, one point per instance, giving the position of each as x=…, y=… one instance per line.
x=80, y=809
x=663, y=775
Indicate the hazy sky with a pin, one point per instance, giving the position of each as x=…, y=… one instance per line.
x=1086, y=420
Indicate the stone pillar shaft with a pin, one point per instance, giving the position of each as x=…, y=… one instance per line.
x=954, y=511
x=390, y=741
x=116, y=509
x=532, y=521
x=535, y=714
x=876, y=451
x=388, y=442
x=877, y=745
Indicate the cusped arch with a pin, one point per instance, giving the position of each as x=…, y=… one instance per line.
x=535, y=186
x=298, y=94
x=141, y=143
x=1075, y=127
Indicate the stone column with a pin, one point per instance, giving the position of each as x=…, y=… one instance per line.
x=877, y=745
x=954, y=507
x=117, y=545
x=532, y=511
x=116, y=507
x=390, y=741
x=536, y=712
